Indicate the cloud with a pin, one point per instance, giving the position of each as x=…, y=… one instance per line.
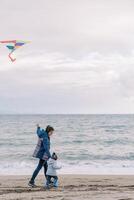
x=58, y=77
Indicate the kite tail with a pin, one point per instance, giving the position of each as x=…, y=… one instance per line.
x=12, y=59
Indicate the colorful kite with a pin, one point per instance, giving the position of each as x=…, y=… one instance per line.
x=12, y=45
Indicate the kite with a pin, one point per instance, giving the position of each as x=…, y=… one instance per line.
x=13, y=45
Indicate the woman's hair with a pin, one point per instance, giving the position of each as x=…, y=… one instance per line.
x=49, y=128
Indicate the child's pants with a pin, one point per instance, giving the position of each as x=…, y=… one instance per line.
x=49, y=181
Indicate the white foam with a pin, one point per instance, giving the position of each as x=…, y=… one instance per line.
x=25, y=168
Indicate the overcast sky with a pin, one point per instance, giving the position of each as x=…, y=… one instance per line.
x=80, y=59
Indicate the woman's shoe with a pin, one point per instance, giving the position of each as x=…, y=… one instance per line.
x=31, y=184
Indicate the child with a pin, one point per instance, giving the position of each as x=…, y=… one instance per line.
x=51, y=171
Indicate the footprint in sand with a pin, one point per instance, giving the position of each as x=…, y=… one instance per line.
x=126, y=199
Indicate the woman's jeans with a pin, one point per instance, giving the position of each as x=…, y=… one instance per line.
x=42, y=163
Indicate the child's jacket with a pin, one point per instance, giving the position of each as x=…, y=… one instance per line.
x=52, y=167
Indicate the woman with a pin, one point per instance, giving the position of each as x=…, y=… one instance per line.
x=42, y=151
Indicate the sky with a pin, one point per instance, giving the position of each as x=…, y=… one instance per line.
x=80, y=58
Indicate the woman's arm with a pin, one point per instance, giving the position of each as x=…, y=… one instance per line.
x=39, y=131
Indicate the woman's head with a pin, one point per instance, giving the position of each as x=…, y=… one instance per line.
x=49, y=130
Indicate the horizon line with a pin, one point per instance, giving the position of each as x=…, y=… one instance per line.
x=66, y=113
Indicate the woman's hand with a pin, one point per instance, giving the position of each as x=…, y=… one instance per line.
x=37, y=125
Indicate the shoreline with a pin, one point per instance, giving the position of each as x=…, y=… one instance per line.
x=71, y=187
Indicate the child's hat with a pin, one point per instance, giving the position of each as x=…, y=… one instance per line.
x=54, y=156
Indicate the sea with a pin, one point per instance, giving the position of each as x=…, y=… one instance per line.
x=85, y=144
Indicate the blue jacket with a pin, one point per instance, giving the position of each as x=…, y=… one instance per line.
x=42, y=150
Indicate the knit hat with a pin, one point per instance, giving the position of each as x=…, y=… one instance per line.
x=54, y=156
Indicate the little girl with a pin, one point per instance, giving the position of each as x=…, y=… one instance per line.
x=51, y=171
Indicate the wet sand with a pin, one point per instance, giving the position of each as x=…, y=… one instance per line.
x=71, y=187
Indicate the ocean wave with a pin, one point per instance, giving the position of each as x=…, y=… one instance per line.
x=27, y=168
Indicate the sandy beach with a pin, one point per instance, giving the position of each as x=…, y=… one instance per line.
x=71, y=187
